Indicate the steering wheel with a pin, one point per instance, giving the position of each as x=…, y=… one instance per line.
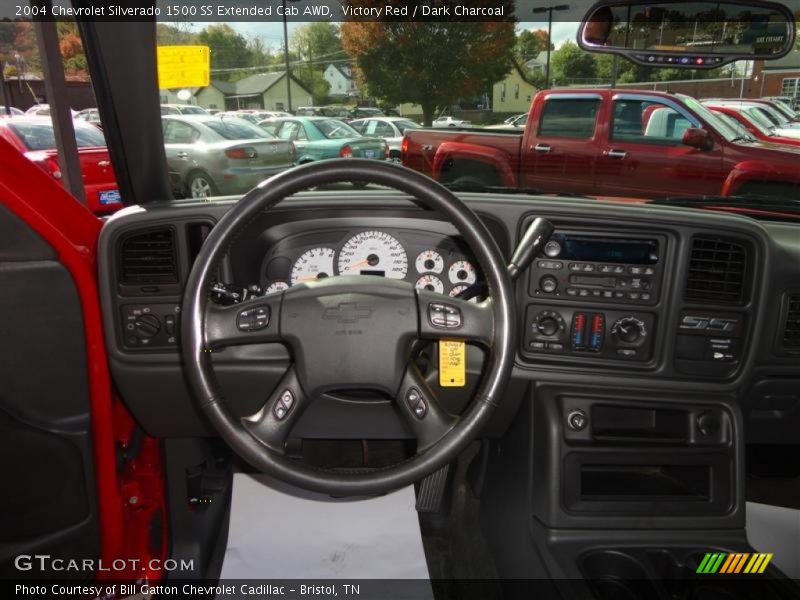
x=347, y=333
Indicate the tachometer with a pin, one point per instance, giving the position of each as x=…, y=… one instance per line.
x=277, y=286
x=373, y=253
x=429, y=261
x=462, y=271
x=316, y=263
x=430, y=282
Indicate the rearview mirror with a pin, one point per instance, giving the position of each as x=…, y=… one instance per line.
x=697, y=138
x=696, y=34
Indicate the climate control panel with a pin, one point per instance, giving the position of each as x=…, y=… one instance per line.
x=591, y=332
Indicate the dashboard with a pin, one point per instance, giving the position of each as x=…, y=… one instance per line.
x=624, y=297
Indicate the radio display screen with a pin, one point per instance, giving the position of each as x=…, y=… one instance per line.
x=620, y=250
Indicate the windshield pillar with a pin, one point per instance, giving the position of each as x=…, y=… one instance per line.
x=60, y=112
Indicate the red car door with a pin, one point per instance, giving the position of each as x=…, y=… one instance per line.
x=644, y=156
x=561, y=153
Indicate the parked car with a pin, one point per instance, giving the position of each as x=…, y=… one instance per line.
x=767, y=109
x=514, y=124
x=15, y=112
x=35, y=138
x=182, y=109
x=274, y=114
x=209, y=156
x=318, y=138
x=756, y=124
x=90, y=115
x=309, y=111
x=450, y=121
x=253, y=117
x=43, y=110
x=784, y=105
x=391, y=129
x=607, y=143
x=362, y=112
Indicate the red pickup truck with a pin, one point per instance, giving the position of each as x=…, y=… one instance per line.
x=614, y=142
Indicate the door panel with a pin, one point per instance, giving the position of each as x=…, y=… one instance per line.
x=645, y=156
x=46, y=452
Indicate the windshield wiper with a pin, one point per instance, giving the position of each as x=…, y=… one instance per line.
x=744, y=138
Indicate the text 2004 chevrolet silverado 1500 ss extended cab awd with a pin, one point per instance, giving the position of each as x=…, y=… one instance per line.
x=610, y=143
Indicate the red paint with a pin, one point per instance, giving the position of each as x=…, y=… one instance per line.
x=600, y=165
x=96, y=170
x=72, y=230
x=751, y=128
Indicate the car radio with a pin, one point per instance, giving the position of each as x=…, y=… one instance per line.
x=585, y=267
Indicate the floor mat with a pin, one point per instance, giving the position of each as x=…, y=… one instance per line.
x=280, y=532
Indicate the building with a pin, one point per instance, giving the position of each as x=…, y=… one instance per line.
x=513, y=94
x=341, y=79
x=538, y=63
x=265, y=91
x=780, y=77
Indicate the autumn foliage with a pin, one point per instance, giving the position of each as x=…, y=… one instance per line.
x=432, y=64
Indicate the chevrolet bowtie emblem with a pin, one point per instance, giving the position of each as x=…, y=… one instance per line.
x=347, y=312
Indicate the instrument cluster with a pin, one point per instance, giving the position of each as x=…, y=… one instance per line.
x=430, y=261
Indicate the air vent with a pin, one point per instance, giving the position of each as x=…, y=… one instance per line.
x=717, y=270
x=149, y=257
x=791, y=329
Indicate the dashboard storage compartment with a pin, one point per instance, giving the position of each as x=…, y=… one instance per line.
x=653, y=424
x=648, y=483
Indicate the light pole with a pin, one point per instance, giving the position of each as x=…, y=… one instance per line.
x=286, y=60
x=549, y=10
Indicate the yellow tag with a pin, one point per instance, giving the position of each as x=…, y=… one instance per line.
x=452, y=364
x=183, y=66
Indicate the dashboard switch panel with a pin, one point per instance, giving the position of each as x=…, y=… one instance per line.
x=609, y=334
x=150, y=326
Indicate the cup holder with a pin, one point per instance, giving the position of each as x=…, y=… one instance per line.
x=613, y=575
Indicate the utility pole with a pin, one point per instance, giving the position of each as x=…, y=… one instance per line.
x=549, y=10
x=286, y=59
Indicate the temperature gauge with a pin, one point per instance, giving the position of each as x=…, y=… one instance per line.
x=462, y=272
x=430, y=282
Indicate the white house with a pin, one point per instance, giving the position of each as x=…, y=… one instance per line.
x=341, y=80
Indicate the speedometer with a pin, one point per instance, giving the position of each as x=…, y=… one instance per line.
x=373, y=253
x=316, y=263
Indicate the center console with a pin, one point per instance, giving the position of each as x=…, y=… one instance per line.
x=594, y=296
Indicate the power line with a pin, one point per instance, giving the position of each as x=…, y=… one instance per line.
x=282, y=67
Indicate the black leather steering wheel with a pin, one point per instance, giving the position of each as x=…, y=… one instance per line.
x=346, y=333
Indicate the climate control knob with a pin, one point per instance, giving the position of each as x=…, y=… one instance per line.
x=629, y=330
x=548, y=323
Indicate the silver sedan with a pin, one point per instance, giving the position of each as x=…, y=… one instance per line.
x=391, y=129
x=209, y=156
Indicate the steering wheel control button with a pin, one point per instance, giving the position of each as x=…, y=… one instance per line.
x=253, y=319
x=577, y=420
x=283, y=405
x=416, y=403
x=444, y=316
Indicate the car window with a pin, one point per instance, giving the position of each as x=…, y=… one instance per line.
x=569, y=118
x=358, y=125
x=383, y=129
x=406, y=124
x=647, y=122
x=236, y=129
x=288, y=130
x=270, y=127
x=334, y=130
x=40, y=136
x=178, y=132
x=193, y=110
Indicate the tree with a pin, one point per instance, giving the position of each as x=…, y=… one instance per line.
x=177, y=34
x=317, y=40
x=432, y=64
x=229, y=49
x=570, y=63
x=531, y=43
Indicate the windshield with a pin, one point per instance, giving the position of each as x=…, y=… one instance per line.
x=333, y=129
x=237, y=129
x=41, y=136
x=477, y=102
x=712, y=118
